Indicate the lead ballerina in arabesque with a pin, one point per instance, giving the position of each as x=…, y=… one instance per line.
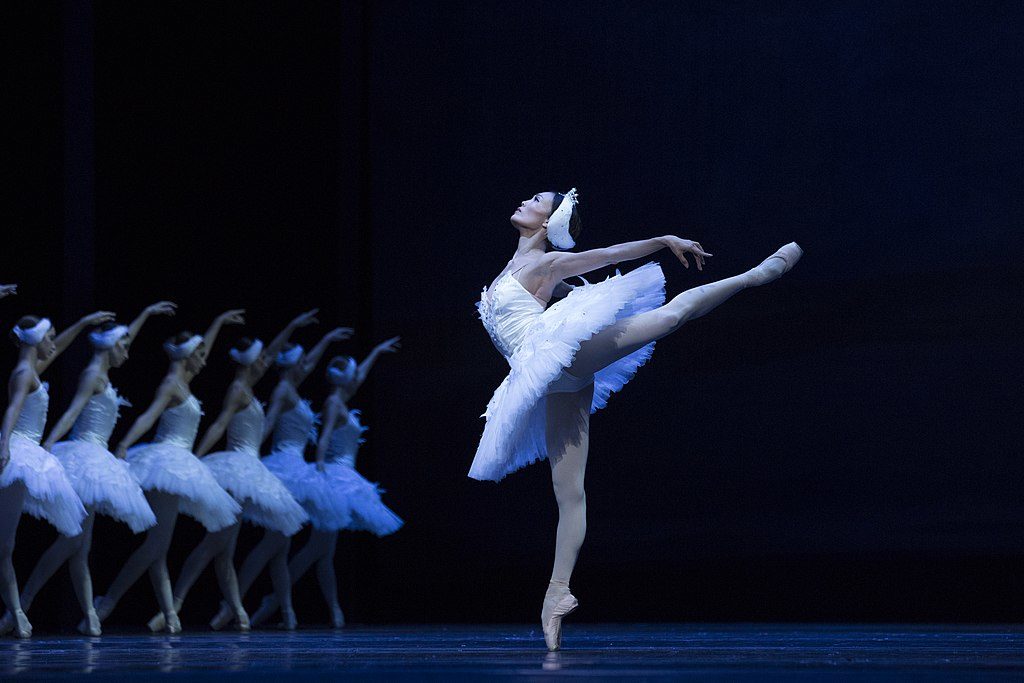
x=567, y=358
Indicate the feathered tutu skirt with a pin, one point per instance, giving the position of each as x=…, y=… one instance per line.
x=265, y=500
x=50, y=495
x=366, y=509
x=513, y=435
x=105, y=483
x=173, y=469
x=327, y=509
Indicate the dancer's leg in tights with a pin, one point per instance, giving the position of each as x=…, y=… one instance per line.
x=272, y=550
x=320, y=543
x=151, y=556
x=328, y=580
x=12, y=500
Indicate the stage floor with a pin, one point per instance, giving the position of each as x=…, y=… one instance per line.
x=611, y=651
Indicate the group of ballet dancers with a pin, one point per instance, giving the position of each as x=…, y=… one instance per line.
x=70, y=474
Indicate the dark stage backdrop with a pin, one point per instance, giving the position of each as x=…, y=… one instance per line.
x=843, y=444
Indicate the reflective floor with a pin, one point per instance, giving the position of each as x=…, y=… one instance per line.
x=611, y=651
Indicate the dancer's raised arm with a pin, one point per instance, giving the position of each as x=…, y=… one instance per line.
x=233, y=317
x=563, y=264
x=169, y=390
x=386, y=346
x=271, y=350
x=159, y=308
x=64, y=339
x=313, y=356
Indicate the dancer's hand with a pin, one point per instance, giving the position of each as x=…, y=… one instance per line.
x=307, y=318
x=98, y=318
x=8, y=290
x=339, y=334
x=162, y=308
x=681, y=248
x=235, y=316
x=121, y=452
x=389, y=345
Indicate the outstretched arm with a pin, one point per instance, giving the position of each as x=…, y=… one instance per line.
x=232, y=317
x=386, y=346
x=64, y=339
x=271, y=350
x=87, y=386
x=159, y=308
x=563, y=264
x=145, y=422
x=312, y=357
x=233, y=402
x=335, y=410
x=18, y=389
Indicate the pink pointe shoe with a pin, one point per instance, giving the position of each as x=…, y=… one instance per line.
x=558, y=603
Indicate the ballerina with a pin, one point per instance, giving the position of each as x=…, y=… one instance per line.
x=565, y=359
x=344, y=500
x=265, y=501
x=291, y=421
x=31, y=479
x=173, y=479
x=103, y=483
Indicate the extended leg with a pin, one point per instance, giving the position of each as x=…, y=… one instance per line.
x=224, y=565
x=273, y=550
x=568, y=439
x=59, y=552
x=297, y=568
x=146, y=556
x=630, y=334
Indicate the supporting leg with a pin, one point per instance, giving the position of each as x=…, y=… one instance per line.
x=224, y=565
x=12, y=500
x=297, y=568
x=327, y=578
x=273, y=550
x=81, y=578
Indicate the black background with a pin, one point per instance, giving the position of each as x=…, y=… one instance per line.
x=844, y=444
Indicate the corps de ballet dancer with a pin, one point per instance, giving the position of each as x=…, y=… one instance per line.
x=265, y=501
x=31, y=479
x=103, y=483
x=292, y=423
x=566, y=358
x=173, y=479
x=341, y=498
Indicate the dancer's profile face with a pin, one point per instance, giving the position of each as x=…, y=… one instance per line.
x=47, y=347
x=533, y=213
x=118, y=354
x=197, y=361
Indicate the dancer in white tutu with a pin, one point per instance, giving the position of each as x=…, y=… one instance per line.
x=31, y=479
x=265, y=501
x=291, y=421
x=566, y=358
x=103, y=483
x=340, y=498
x=172, y=477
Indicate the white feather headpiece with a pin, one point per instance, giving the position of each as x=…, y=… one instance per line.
x=558, y=224
x=105, y=339
x=288, y=358
x=336, y=375
x=184, y=349
x=249, y=356
x=33, y=335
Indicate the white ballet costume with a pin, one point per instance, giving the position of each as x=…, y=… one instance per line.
x=265, y=500
x=368, y=512
x=50, y=495
x=539, y=345
x=167, y=464
x=103, y=482
x=326, y=509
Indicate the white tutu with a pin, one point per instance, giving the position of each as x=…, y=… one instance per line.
x=265, y=500
x=368, y=511
x=544, y=343
x=328, y=509
x=50, y=495
x=173, y=469
x=105, y=483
